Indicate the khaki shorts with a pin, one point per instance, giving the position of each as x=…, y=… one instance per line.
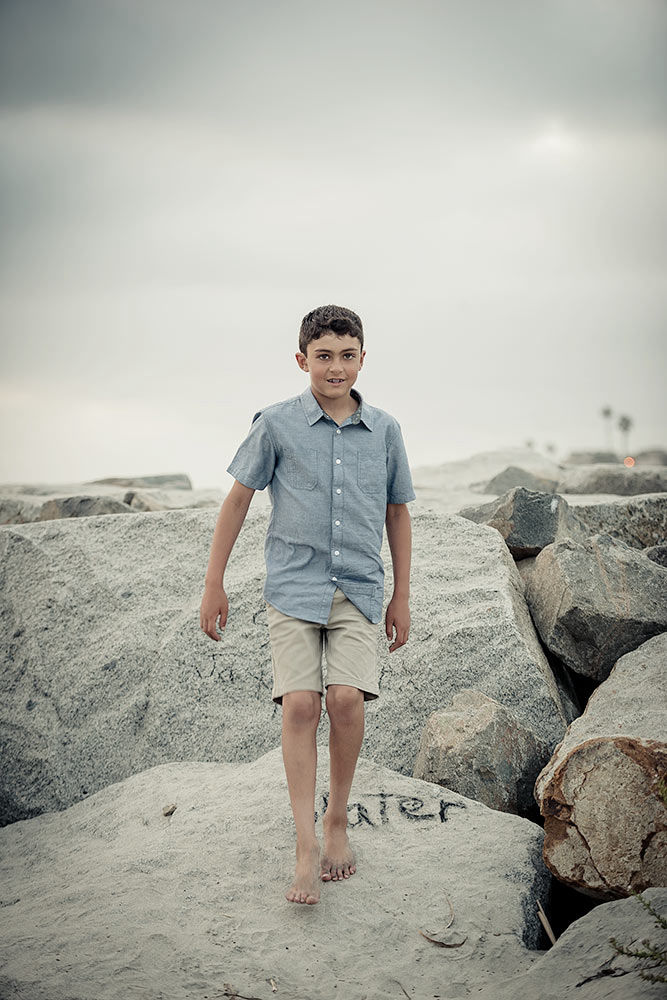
x=349, y=640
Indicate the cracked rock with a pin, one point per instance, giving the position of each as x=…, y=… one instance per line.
x=528, y=520
x=595, y=600
x=603, y=794
x=478, y=748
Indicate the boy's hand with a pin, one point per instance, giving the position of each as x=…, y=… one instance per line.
x=398, y=617
x=214, y=603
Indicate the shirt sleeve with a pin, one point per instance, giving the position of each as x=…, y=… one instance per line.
x=399, y=480
x=255, y=459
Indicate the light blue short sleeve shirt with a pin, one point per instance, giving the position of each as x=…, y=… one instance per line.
x=329, y=487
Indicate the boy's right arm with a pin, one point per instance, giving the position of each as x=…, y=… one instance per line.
x=230, y=519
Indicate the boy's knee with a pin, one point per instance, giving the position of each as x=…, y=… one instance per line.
x=343, y=701
x=302, y=707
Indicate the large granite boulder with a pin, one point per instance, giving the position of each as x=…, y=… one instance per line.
x=112, y=897
x=514, y=476
x=24, y=503
x=528, y=520
x=477, y=747
x=652, y=456
x=604, y=792
x=168, y=481
x=595, y=600
x=106, y=670
x=584, y=964
x=640, y=521
x=591, y=458
x=81, y=506
x=613, y=478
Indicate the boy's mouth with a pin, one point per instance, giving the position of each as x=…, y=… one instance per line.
x=335, y=381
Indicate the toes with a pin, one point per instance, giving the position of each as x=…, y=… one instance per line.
x=325, y=871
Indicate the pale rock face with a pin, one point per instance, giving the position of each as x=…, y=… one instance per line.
x=603, y=793
x=595, y=600
x=23, y=503
x=583, y=963
x=640, y=521
x=514, y=476
x=128, y=898
x=108, y=671
x=613, y=479
x=478, y=748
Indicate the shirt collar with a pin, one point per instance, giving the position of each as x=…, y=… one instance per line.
x=314, y=411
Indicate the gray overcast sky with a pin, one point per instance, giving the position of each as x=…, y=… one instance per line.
x=483, y=182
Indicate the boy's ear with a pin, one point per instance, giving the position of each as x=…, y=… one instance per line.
x=302, y=361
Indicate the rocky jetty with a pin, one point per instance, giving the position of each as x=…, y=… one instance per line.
x=147, y=837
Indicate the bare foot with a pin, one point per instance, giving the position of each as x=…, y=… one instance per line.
x=305, y=887
x=338, y=860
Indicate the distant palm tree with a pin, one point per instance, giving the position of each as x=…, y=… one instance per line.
x=529, y=443
x=550, y=447
x=606, y=413
x=624, y=425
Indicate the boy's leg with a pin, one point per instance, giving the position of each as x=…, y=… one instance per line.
x=351, y=641
x=296, y=655
x=345, y=708
x=301, y=715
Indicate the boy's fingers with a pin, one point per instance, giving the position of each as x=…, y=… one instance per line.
x=401, y=639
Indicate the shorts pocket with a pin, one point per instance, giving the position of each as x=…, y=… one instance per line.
x=301, y=468
x=371, y=473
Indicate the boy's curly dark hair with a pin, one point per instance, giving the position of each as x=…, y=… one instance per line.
x=336, y=319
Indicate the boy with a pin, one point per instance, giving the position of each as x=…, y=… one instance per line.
x=337, y=471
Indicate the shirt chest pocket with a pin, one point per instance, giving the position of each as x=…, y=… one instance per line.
x=301, y=468
x=371, y=473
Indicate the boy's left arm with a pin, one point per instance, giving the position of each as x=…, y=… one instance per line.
x=399, y=536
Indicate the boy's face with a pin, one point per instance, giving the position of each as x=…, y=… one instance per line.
x=334, y=363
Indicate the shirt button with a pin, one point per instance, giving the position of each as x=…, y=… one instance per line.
x=338, y=431
x=337, y=461
x=336, y=552
x=337, y=491
x=336, y=522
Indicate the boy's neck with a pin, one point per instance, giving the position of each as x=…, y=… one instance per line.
x=338, y=409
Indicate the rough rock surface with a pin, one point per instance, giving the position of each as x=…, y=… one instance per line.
x=583, y=965
x=652, y=456
x=514, y=476
x=107, y=670
x=604, y=794
x=81, y=506
x=527, y=520
x=478, y=748
x=614, y=479
x=113, y=899
x=594, y=601
x=657, y=554
x=170, y=481
x=639, y=521
x=591, y=458
x=23, y=503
